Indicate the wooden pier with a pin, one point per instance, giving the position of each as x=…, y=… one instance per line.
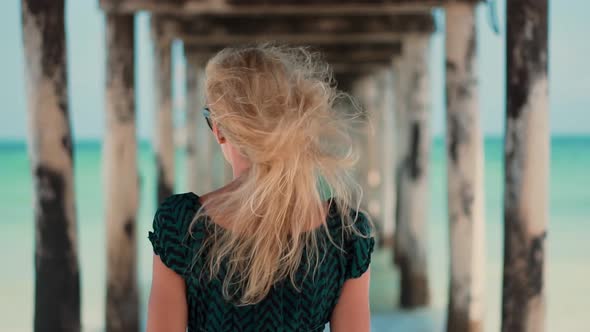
x=379, y=52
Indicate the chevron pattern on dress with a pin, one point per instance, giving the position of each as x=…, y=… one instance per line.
x=285, y=308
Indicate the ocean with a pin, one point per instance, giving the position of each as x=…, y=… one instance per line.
x=568, y=243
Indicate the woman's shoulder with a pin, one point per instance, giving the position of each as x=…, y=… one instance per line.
x=175, y=203
x=356, y=221
x=359, y=243
x=362, y=224
x=170, y=230
x=175, y=213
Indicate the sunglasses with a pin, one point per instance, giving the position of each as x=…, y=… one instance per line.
x=207, y=115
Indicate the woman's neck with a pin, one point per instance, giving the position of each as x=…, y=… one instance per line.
x=239, y=168
x=239, y=164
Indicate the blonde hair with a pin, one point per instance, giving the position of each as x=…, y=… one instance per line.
x=275, y=104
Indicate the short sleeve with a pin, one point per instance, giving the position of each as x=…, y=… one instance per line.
x=169, y=233
x=360, y=248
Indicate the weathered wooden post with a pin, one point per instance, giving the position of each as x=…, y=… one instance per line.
x=365, y=89
x=526, y=149
x=190, y=123
x=52, y=166
x=163, y=124
x=198, y=146
x=374, y=141
x=400, y=131
x=360, y=130
x=381, y=169
x=413, y=103
x=121, y=177
x=387, y=156
x=373, y=147
x=465, y=172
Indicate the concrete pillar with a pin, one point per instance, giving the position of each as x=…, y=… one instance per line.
x=413, y=102
x=163, y=140
x=464, y=172
x=526, y=166
x=199, y=136
x=52, y=168
x=121, y=191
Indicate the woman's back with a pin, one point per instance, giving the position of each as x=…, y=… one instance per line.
x=272, y=260
x=305, y=306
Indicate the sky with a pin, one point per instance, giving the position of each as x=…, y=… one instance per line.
x=569, y=73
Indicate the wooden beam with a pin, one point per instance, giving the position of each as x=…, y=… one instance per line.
x=306, y=39
x=352, y=54
x=57, y=276
x=526, y=169
x=265, y=7
x=293, y=25
x=121, y=184
x=465, y=173
x=291, y=29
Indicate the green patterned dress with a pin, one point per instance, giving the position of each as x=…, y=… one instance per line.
x=284, y=308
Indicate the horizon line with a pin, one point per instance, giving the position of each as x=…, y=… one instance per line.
x=143, y=140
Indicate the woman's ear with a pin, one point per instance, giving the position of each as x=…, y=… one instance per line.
x=218, y=136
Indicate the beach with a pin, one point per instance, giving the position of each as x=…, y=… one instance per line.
x=567, y=261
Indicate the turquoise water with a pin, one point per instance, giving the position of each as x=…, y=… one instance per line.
x=568, y=270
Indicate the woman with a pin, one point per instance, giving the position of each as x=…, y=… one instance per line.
x=282, y=247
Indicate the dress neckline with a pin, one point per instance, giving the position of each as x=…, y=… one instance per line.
x=331, y=217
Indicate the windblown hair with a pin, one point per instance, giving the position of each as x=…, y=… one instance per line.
x=275, y=104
